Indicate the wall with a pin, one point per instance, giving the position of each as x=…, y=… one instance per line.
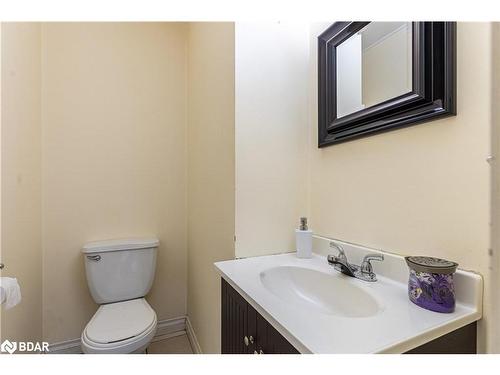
x=211, y=172
x=494, y=327
x=271, y=65
x=1, y=310
x=420, y=190
x=113, y=158
x=105, y=88
x=20, y=177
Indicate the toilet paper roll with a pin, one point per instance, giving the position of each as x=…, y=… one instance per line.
x=10, y=292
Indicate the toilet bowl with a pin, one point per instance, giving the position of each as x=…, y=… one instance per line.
x=119, y=274
x=121, y=327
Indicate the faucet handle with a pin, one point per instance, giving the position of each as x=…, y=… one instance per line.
x=340, y=249
x=366, y=266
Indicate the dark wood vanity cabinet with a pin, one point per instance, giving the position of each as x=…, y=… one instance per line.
x=245, y=331
x=460, y=341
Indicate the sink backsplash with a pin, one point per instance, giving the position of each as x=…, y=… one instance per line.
x=468, y=285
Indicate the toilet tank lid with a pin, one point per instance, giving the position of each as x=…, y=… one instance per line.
x=120, y=244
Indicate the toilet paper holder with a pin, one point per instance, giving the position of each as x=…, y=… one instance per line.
x=2, y=266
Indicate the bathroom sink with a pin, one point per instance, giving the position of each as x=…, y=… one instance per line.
x=320, y=310
x=323, y=292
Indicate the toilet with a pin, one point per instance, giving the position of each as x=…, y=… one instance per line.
x=119, y=274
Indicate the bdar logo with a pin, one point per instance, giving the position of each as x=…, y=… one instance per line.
x=8, y=346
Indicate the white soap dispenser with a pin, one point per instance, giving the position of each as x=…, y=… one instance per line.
x=303, y=237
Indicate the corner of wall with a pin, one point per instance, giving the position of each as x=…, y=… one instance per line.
x=210, y=172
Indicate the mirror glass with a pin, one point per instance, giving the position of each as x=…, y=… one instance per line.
x=374, y=65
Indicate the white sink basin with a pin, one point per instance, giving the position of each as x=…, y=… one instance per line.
x=320, y=291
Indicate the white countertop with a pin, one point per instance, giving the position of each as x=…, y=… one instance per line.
x=400, y=325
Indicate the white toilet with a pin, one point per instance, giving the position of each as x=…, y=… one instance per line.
x=119, y=274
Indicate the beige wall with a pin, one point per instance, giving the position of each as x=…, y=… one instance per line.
x=113, y=158
x=271, y=135
x=21, y=249
x=420, y=190
x=211, y=172
x=1, y=310
x=117, y=118
x=494, y=327
x=110, y=145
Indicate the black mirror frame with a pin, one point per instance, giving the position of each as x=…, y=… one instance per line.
x=433, y=93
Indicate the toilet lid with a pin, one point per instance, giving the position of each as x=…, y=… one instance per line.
x=120, y=321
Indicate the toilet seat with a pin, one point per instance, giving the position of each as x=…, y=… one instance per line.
x=121, y=327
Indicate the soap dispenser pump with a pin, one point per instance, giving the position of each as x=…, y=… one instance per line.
x=303, y=238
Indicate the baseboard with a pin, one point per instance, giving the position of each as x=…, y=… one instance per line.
x=192, y=337
x=166, y=329
x=169, y=326
x=65, y=347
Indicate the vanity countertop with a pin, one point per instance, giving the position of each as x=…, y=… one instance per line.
x=399, y=326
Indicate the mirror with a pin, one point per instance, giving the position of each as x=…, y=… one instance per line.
x=379, y=76
x=374, y=65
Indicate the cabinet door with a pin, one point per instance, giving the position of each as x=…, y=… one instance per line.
x=270, y=341
x=240, y=320
x=234, y=321
x=252, y=328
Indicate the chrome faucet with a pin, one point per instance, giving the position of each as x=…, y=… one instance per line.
x=340, y=261
x=362, y=272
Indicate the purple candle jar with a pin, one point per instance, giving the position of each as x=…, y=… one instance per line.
x=431, y=283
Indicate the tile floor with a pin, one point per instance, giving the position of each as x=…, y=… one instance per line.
x=173, y=345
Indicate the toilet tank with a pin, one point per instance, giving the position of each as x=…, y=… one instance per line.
x=119, y=270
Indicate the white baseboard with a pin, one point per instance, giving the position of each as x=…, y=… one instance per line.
x=166, y=329
x=170, y=326
x=65, y=347
x=192, y=337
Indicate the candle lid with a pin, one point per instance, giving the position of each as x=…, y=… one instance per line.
x=431, y=265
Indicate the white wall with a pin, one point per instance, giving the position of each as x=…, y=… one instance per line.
x=21, y=249
x=210, y=171
x=271, y=67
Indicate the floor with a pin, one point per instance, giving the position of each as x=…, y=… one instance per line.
x=175, y=343
x=172, y=345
